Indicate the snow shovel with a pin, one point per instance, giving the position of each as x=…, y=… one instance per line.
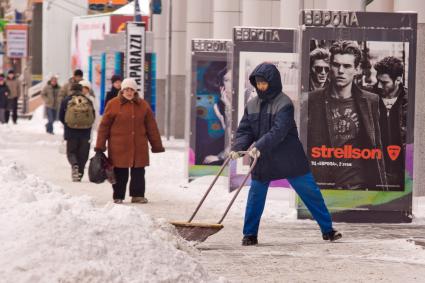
x=199, y=232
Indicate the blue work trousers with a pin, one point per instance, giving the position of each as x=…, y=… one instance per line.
x=307, y=190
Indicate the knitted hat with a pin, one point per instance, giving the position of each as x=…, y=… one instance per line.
x=85, y=83
x=129, y=83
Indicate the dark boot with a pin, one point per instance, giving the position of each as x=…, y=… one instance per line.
x=249, y=241
x=75, y=174
x=332, y=236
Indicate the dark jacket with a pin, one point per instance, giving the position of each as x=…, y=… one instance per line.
x=4, y=89
x=270, y=124
x=319, y=132
x=393, y=126
x=69, y=133
x=111, y=94
x=127, y=127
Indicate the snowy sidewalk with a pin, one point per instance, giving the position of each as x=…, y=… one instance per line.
x=290, y=250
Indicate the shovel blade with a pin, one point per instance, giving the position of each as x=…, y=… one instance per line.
x=198, y=232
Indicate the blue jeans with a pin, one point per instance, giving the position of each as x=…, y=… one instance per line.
x=307, y=190
x=51, y=117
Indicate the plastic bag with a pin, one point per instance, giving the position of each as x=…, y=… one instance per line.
x=100, y=169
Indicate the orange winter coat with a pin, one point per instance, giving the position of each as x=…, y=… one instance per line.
x=127, y=126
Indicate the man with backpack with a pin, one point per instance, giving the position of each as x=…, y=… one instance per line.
x=77, y=115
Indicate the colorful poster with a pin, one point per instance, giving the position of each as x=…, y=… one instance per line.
x=84, y=30
x=95, y=75
x=210, y=103
x=357, y=112
x=150, y=73
x=253, y=46
x=119, y=22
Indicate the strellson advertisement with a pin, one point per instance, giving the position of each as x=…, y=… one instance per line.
x=358, y=98
x=253, y=46
x=210, y=103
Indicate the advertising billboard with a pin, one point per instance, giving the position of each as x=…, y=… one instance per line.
x=210, y=102
x=357, y=111
x=252, y=46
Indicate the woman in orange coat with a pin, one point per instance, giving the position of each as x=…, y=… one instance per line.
x=127, y=125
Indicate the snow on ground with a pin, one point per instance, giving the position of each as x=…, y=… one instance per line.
x=81, y=236
x=49, y=236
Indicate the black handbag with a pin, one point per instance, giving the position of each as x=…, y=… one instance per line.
x=100, y=169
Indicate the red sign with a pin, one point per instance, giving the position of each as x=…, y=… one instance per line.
x=393, y=151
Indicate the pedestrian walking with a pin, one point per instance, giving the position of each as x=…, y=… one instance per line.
x=115, y=88
x=4, y=92
x=127, y=126
x=268, y=128
x=52, y=101
x=14, y=86
x=77, y=115
x=75, y=79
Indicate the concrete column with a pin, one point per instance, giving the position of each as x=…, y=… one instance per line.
x=352, y=5
x=178, y=68
x=159, y=25
x=199, y=25
x=419, y=138
x=226, y=15
x=290, y=12
x=56, y=43
x=413, y=6
x=381, y=6
x=263, y=13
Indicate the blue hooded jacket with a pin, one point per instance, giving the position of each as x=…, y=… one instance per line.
x=268, y=121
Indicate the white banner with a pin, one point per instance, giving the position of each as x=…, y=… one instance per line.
x=135, y=54
x=17, y=40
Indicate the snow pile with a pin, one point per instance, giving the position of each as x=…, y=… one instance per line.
x=47, y=236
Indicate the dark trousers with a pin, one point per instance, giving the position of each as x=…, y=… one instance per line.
x=2, y=114
x=51, y=117
x=77, y=152
x=12, y=106
x=137, y=182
